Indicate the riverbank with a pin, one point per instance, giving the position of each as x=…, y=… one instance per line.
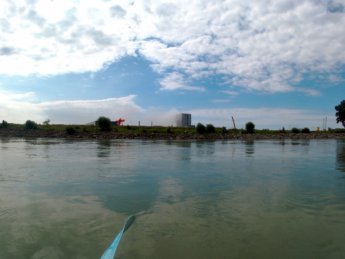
x=164, y=133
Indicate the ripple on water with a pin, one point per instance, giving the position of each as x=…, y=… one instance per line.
x=52, y=252
x=6, y=213
x=314, y=204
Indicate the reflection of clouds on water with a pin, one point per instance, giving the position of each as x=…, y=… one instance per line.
x=170, y=190
x=111, y=170
x=182, y=151
x=76, y=227
x=114, y=160
x=242, y=221
x=201, y=227
x=169, y=226
x=341, y=156
x=202, y=199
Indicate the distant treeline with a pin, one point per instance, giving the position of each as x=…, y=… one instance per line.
x=104, y=125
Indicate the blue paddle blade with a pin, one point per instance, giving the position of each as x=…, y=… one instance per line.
x=128, y=223
x=111, y=250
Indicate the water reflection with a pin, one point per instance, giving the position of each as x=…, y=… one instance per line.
x=55, y=227
x=186, y=144
x=75, y=203
x=183, y=150
x=103, y=148
x=302, y=142
x=4, y=142
x=205, y=149
x=282, y=142
x=250, y=147
x=30, y=149
x=341, y=156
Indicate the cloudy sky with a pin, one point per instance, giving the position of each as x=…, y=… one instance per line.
x=276, y=63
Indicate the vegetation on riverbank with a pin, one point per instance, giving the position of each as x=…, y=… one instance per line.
x=156, y=132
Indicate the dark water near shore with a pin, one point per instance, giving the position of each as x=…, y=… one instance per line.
x=262, y=199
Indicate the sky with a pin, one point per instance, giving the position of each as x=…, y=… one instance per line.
x=276, y=63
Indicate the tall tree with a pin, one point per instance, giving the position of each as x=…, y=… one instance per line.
x=250, y=127
x=340, y=114
x=103, y=123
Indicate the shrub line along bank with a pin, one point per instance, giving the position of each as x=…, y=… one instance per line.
x=164, y=133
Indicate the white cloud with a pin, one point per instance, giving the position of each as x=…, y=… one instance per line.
x=221, y=101
x=57, y=37
x=16, y=96
x=19, y=107
x=84, y=111
x=310, y=92
x=159, y=116
x=257, y=45
x=230, y=92
x=174, y=81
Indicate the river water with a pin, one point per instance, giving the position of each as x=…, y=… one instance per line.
x=233, y=199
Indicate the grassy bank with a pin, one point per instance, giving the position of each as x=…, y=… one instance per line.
x=154, y=132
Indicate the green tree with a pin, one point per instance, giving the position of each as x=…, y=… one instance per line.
x=4, y=124
x=305, y=130
x=295, y=130
x=104, y=123
x=210, y=128
x=200, y=128
x=250, y=127
x=30, y=125
x=340, y=114
x=70, y=130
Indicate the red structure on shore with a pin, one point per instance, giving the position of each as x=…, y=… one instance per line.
x=120, y=122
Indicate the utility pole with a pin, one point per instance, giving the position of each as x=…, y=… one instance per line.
x=233, y=121
x=324, y=123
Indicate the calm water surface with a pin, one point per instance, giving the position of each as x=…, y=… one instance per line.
x=262, y=199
